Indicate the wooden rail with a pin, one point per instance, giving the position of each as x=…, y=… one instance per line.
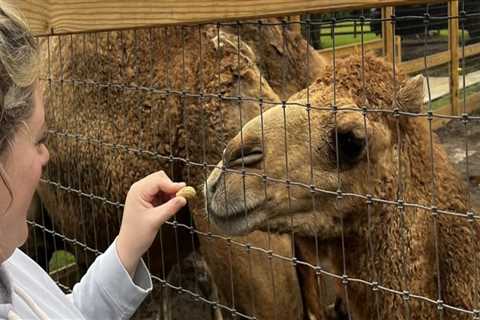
x=437, y=59
x=296, y=27
x=454, y=49
x=472, y=103
x=74, y=16
x=387, y=33
x=349, y=49
x=65, y=16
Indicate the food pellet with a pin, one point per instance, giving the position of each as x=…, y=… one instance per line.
x=187, y=192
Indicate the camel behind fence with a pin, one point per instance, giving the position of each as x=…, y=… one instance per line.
x=124, y=100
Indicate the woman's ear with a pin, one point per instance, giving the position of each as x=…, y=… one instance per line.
x=410, y=97
x=6, y=192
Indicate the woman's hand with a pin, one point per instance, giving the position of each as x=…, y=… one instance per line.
x=150, y=202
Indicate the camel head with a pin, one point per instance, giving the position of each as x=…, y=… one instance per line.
x=284, y=170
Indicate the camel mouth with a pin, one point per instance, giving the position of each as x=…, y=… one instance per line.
x=239, y=220
x=235, y=211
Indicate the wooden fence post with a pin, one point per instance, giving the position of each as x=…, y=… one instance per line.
x=398, y=43
x=295, y=27
x=454, y=54
x=387, y=33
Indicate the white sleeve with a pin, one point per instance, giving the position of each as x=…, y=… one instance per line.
x=107, y=291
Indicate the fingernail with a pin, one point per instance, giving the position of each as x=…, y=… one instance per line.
x=180, y=184
x=182, y=201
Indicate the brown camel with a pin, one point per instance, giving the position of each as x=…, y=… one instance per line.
x=104, y=115
x=400, y=234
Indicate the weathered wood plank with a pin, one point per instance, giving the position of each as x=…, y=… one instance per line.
x=296, y=27
x=472, y=103
x=454, y=54
x=63, y=16
x=36, y=13
x=349, y=49
x=437, y=59
x=398, y=49
x=433, y=60
x=387, y=33
x=356, y=48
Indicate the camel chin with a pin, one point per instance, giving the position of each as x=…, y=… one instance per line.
x=236, y=218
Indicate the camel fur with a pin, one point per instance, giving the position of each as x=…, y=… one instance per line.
x=410, y=241
x=121, y=106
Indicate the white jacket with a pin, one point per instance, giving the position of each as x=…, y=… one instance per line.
x=106, y=291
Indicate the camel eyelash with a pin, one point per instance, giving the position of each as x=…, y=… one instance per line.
x=349, y=147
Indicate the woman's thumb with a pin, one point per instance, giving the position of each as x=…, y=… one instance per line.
x=165, y=211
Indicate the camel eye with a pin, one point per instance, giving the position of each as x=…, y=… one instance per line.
x=350, y=147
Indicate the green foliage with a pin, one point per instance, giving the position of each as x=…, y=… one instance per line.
x=60, y=259
x=345, y=33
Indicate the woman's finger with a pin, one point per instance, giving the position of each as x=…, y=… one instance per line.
x=165, y=211
x=155, y=183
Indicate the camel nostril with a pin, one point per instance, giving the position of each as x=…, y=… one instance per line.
x=248, y=155
x=209, y=188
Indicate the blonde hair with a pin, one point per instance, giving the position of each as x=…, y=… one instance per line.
x=19, y=70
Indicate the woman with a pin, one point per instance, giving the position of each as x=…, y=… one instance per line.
x=118, y=280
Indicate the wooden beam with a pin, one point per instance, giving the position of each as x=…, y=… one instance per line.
x=472, y=103
x=398, y=43
x=349, y=49
x=417, y=65
x=36, y=13
x=296, y=27
x=387, y=34
x=356, y=48
x=66, y=16
x=454, y=54
x=437, y=59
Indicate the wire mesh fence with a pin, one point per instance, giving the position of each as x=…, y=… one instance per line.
x=327, y=193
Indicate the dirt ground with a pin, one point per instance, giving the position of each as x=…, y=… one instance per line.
x=455, y=138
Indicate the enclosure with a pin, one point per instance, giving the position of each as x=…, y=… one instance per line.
x=335, y=148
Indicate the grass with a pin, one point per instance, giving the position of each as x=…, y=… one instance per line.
x=444, y=33
x=340, y=40
x=60, y=259
x=326, y=40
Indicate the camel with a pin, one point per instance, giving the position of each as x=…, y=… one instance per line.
x=104, y=112
x=400, y=234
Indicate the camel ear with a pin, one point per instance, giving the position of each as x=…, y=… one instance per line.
x=411, y=95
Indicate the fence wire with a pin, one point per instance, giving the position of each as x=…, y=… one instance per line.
x=121, y=104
